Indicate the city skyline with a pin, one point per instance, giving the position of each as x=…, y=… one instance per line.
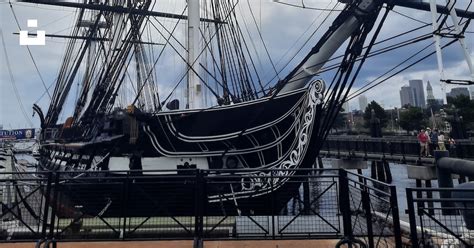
x=429, y=92
x=418, y=92
x=406, y=96
x=363, y=102
x=413, y=94
x=455, y=92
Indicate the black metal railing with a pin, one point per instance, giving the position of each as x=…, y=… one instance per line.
x=343, y=146
x=373, y=208
x=23, y=207
x=198, y=204
x=437, y=221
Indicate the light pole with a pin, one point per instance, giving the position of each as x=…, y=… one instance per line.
x=391, y=118
x=398, y=125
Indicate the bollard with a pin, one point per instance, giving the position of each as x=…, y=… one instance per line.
x=380, y=170
x=457, y=166
x=466, y=207
x=388, y=172
x=445, y=180
x=446, y=167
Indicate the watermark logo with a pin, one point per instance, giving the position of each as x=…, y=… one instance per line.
x=39, y=40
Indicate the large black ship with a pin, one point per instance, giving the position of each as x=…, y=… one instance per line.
x=248, y=127
x=230, y=121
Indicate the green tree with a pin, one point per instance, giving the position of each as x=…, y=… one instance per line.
x=465, y=107
x=412, y=119
x=433, y=104
x=339, y=121
x=379, y=113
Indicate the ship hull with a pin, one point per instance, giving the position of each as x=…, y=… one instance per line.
x=264, y=143
x=144, y=196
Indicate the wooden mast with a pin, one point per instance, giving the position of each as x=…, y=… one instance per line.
x=194, y=89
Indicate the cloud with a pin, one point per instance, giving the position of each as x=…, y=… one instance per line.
x=388, y=95
x=280, y=25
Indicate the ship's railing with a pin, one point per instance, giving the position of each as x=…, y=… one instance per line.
x=51, y=134
x=199, y=205
x=436, y=221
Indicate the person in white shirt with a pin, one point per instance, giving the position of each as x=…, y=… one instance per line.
x=441, y=145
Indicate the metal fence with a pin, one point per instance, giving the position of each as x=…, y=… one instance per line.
x=373, y=209
x=196, y=204
x=383, y=147
x=23, y=207
x=437, y=220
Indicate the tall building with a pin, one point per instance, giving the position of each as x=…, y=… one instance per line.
x=406, y=96
x=362, y=102
x=429, y=92
x=455, y=92
x=418, y=93
x=345, y=106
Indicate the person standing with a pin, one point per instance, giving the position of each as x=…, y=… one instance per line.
x=428, y=142
x=423, y=139
x=441, y=145
x=452, y=147
x=434, y=140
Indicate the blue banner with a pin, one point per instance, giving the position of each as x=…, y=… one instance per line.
x=17, y=134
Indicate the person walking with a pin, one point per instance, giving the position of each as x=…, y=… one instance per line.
x=441, y=141
x=423, y=139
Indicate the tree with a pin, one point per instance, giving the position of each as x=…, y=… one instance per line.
x=465, y=107
x=339, y=121
x=379, y=113
x=433, y=104
x=412, y=119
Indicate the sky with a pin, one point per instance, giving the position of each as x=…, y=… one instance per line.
x=281, y=28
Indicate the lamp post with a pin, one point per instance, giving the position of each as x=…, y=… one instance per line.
x=398, y=125
x=391, y=118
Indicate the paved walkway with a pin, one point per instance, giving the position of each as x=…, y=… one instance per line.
x=189, y=244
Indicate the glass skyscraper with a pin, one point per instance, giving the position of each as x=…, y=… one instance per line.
x=418, y=93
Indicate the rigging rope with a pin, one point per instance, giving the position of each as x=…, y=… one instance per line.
x=189, y=66
x=305, y=7
x=263, y=42
x=361, y=90
x=401, y=70
x=411, y=18
x=12, y=80
x=225, y=19
x=305, y=43
x=158, y=58
x=29, y=51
